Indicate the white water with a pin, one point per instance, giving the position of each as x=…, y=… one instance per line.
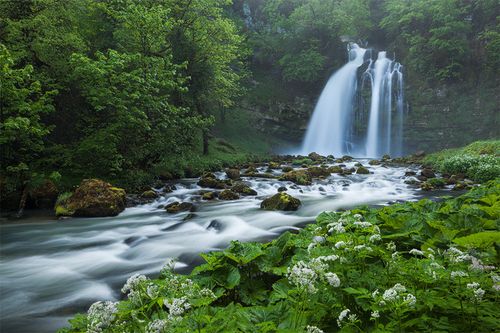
x=50, y=270
x=331, y=129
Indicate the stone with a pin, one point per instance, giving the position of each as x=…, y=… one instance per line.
x=299, y=177
x=409, y=173
x=149, y=194
x=362, y=171
x=92, y=198
x=335, y=169
x=209, y=196
x=281, y=201
x=315, y=172
x=228, y=195
x=243, y=189
x=282, y=189
x=233, y=174
x=177, y=207
x=346, y=158
x=428, y=173
x=286, y=169
x=315, y=156
x=374, y=162
x=44, y=195
x=419, y=153
x=274, y=165
x=386, y=158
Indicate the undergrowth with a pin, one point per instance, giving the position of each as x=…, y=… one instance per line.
x=419, y=266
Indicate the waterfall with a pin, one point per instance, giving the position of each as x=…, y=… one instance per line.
x=327, y=130
x=336, y=126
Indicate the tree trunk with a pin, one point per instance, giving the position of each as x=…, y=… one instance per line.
x=22, y=202
x=223, y=115
x=205, y=142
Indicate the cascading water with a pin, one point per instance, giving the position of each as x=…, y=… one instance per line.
x=335, y=128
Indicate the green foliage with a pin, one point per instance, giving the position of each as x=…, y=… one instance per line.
x=406, y=267
x=480, y=160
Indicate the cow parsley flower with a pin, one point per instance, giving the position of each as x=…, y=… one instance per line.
x=375, y=314
x=100, y=316
x=332, y=279
x=340, y=244
x=477, y=265
x=473, y=285
x=157, y=326
x=455, y=274
x=336, y=227
x=152, y=291
x=391, y=246
x=375, y=293
x=342, y=316
x=416, y=252
x=313, y=329
x=375, y=238
x=358, y=216
x=133, y=282
x=362, y=224
x=177, y=306
x=478, y=294
x=410, y=300
x=392, y=294
x=302, y=275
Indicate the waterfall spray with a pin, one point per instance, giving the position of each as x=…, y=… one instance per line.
x=331, y=129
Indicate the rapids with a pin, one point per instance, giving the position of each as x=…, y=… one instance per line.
x=52, y=269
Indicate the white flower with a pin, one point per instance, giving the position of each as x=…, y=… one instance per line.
x=352, y=318
x=331, y=257
x=340, y=244
x=336, y=227
x=362, y=224
x=132, y=282
x=313, y=329
x=342, y=316
x=168, y=266
x=375, y=238
x=152, y=291
x=495, y=278
x=391, y=246
x=455, y=274
x=496, y=287
x=311, y=246
x=395, y=256
x=376, y=229
x=333, y=279
x=302, y=275
x=399, y=287
x=435, y=265
x=207, y=293
x=473, y=285
x=375, y=314
x=362, y=247
x=478, y=265
x=157, y=326
x=318, y=265
x=358, y=216
x=478, y=294
x=410, y=300
x=177, y=306
x=390, y=295
x=416, y=252
x=375, y=294
x=100, y=316
x=318, y=239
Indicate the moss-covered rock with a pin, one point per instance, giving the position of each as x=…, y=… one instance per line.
x=274, y=165
x=299, y=177
x=347, y=158
x=427, y=173
x=93, y=198
x=362, y=171
x=281, y=201
x=233, y=174
x=243, y=189
x=209, y=195
x=149, y=194
x=374, y=162
x=213, y=182
x=176, y=207
x=286, y=169
x=228, y=195
x=316, y=172
x=335, y=169
x=315, y=157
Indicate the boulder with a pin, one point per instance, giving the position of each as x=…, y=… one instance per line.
x=274, y=165
x=93, y=198
x=282, y=189
x=281, y=201
x=409, y=173
x=362, y=171
x=386, y=158
x=374, y=162
x=300, y=177
x=213, y=182
x=250, y=170
x=419, y=153
x=149, y=194
x=228, y=195
x=176, y=207
x=243, y=188
x=286, y=168
x=427, y=173
x=315, y=156
x=233, y=174
x=209, y=195
x=346, y=158
x=335, y=169
x=316, y=172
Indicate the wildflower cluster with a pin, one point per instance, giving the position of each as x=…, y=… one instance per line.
x=100, y=316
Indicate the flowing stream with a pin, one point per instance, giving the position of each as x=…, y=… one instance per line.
x=53, y=269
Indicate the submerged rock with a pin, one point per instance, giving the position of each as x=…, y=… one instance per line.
x=93, y=198
x=209, y=195
x=149, y=194
x=243, y=188
x=176, y=207
x=300, y=177
x=281, y=201
x=228, y=195
x=282, y=189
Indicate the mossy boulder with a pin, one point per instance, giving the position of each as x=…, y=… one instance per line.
x=209, y=195
x=281, y=201
x=427, y=173
x=228, y=195
x=274, y=165
x=233, y=174
x=282, y=189
x=93, y=198
x=374, y=162
x=212, y=182
x=347, y=158
x=299, y=177
x=433, y=183
x=335, y=169
x=286, y=169
x=315, y=156
x=316, y=172
x=243, y=189
x=177, y=207
x=362, y=171
x=251, y=170
x=149, y=194
x=386, y=158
